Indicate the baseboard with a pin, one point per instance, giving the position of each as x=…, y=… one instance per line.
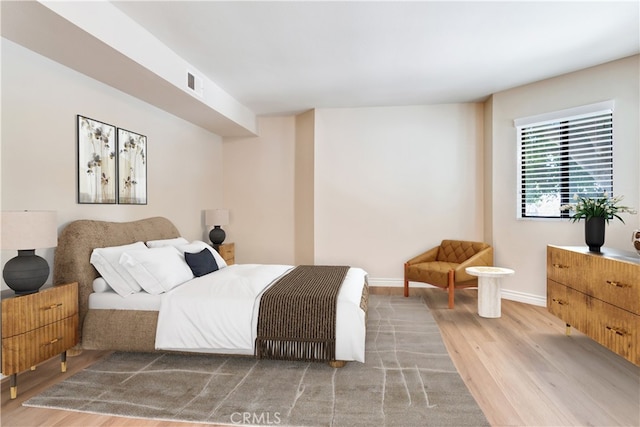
x=524, y=297
x=506, y=293
x=396, y=283
x=387, y=283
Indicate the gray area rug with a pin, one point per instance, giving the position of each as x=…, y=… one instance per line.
x=408, y=380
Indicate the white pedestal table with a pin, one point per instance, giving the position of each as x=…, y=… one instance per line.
x=489, y=289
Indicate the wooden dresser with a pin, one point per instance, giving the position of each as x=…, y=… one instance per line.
x=37, y=327
x=598, y=294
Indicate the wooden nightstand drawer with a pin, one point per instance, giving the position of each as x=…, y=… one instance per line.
x=25, y=350
x=28, y=312
x=227, y=251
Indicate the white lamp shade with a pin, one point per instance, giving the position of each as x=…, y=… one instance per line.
x=25, y=230
x=216, y=217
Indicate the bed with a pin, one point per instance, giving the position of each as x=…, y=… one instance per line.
x=109, y=321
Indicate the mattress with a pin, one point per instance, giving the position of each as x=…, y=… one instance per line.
x=110, y=300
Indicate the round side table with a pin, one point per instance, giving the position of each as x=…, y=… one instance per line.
x=489, y=288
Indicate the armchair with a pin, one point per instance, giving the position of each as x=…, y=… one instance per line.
x=444, y=266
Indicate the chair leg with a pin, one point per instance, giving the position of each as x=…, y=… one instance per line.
x=406, y=281
x=451, y=281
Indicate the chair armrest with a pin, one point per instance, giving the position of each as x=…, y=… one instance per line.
x=428, y=256
x=481, y=259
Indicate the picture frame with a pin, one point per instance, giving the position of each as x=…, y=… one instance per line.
x=132, y=168
x=96, y=161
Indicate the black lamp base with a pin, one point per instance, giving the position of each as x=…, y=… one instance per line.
x=217, y=236
x=26, y=273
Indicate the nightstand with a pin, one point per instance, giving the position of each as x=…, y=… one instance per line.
x=228, y=252
x=37, y=327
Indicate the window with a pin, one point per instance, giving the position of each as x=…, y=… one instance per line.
x=562, y=154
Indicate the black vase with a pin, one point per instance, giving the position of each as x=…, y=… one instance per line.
x=594, y=233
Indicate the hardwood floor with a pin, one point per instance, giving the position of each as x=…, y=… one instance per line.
x=521, y=368
x=524, y=371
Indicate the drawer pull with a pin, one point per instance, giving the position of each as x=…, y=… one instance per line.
x=617, y=331
x=52, y=306
x=53, y=341
x=617, y=285
x=560, y=266
x=559, y=301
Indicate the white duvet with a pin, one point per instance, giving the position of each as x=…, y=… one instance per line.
x=218, y=312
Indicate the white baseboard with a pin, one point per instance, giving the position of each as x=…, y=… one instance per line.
x=524, y=297
x=391, y=283
x=506, y=293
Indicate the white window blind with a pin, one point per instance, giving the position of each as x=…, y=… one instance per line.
x=566, y=153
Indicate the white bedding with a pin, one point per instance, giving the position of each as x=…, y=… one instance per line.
x=227, y=302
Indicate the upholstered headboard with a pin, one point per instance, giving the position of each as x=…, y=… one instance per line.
x=78, y=239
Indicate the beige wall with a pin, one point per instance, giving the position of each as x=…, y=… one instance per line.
x=386, y=184
x=259, y=192
x=391, y=182
x=304, y=188
x=521, y=244
x=40, y=101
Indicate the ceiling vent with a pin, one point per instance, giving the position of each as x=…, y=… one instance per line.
x=194, y=83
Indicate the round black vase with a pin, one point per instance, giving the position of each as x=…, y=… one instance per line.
x=594, y=233
x=217, y=235
x=26, y=273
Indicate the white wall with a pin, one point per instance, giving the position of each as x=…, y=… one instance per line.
x=40, y=101
x=521, y=244
x=393, y=182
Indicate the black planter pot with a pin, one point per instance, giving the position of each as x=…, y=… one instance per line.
x=594, y=233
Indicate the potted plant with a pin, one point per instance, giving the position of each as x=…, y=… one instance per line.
x=595, y=211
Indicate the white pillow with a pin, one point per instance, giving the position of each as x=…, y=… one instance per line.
x=107, y=262
x=197, y=246
x=101, y=285
x=167, y=242
x=157, y=270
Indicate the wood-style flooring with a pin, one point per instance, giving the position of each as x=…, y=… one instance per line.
x=521, y=368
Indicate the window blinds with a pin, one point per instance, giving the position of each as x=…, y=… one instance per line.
x=561, y=157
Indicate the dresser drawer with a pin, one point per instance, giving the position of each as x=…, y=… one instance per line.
x=22, y=351
x=566, y=267
x=615, y=282
x=614, y=328
x=607, y=279
x=569, y=305
x=28, y=312
x=558, y=300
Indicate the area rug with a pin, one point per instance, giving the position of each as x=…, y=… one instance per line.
x=408, y=380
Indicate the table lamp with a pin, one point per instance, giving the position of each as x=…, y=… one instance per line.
x=26, y=231
x=216, y=218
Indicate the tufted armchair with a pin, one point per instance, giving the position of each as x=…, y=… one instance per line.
x=444, y=266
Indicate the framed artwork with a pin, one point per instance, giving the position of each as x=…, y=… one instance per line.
x=132, y=168
x=96, y=161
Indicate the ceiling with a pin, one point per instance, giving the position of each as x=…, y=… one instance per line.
x=286, y=57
